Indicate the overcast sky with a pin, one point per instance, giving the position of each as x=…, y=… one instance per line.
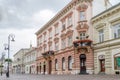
x=23, y=18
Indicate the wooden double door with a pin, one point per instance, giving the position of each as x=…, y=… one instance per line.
x=82, y=64
x=49, y=67
x=102, y=65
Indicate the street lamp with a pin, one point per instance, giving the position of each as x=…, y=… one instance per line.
x=7, y=47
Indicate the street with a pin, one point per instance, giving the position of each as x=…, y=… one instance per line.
x=59, y=77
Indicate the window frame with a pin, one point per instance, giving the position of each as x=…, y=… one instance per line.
x=56, y=64
x=63, y=63
x=82, y=14
x=70, y=63
x=101, y=35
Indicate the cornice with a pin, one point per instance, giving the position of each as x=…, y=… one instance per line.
x=106, y=13
x=108, y=43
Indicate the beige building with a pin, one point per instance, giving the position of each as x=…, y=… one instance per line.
x=18, y=63
x=30, y=61
x=107, y=41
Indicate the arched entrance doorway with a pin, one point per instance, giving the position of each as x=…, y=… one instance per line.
x=82, y=64
x=50, y=67
x=102, y=62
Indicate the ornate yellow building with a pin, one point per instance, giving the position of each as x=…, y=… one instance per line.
x=107, y=41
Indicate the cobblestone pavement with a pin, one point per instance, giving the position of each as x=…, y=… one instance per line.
x=60, y=77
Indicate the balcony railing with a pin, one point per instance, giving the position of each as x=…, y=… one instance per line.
x=82, y=43
x=48, y=54
x=82, y=46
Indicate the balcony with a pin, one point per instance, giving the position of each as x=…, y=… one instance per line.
x=48, y=54
x=82, y=45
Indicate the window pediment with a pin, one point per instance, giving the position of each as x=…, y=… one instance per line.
x=82, y=7
x=100, y=25
x=50, y=42
x=56, y=39
x=63, y=35
x=69, y=32
x=82, y=27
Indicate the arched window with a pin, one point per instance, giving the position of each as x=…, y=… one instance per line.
x=63, y=63
x=56, y=64
x=69, y=62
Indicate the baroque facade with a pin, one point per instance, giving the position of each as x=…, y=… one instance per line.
x=64, y=44
x=107, y=41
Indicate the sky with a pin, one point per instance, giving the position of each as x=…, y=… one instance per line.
x=25, y=17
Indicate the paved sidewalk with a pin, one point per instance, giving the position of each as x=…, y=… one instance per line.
x=59, y=77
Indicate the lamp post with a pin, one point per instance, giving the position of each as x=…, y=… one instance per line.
x=7, y=47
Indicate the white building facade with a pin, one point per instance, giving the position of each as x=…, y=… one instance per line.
x=18, y=63
x=107, y=41
x=30, y=61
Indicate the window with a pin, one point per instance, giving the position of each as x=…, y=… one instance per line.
x=63, y=63
x=63, y=43
x=82, y=15
x=117, y=63
x=70, y=21
x=56, y=64
x=82, y=36
x=39, y=40
x=45, y=37
x=69, y=62
x=116, y=31
x=56, y=46
x=50, y=34
x=63, y=25
x=101, y=35
x=56, y=29
x=50, y=47
x=69, y=40
x=45, y=49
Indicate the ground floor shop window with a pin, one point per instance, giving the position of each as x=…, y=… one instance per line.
x=70, y=63
x=63, y=63
x=117, y=63
x=56, y=64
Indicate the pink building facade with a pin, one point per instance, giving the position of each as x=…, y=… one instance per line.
x=64, y=44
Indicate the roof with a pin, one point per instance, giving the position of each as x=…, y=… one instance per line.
x=59, y=14
x=21, y=50
x=106, y=10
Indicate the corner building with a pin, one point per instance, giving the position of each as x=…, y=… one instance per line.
x=64, y=43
